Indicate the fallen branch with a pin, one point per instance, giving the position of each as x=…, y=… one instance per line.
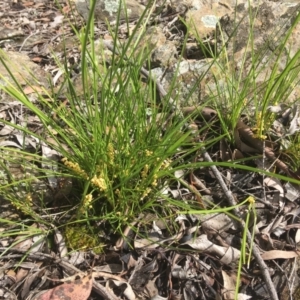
x=263, y=267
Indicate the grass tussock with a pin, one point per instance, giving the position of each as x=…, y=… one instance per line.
x=117, y=145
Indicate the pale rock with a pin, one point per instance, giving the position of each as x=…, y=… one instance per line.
x=190, y=74
x=21, y=68
x=162, y=52
x=202, y=20
x=205, y=18
x=107, y=10
x=271, y=23
x=164, y=55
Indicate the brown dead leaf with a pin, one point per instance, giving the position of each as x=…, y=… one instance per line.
x=79, y=289
x=37, y=59
x=279, y=254
x=32, y=89
x=44, y=19
x=21, y=274
x=27, y=4
x=229, y=285
x=31, y=243
x=199, y=184
x=66, y=9
x=39, y=5
x=29, y=280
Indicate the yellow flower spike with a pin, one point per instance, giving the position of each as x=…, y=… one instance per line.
x=250, y=222
x=111, y=151
x=87, y=200
x=146, y=193
x=145, y=171
x=148, y=152
x=251, y=199
x=99, y=182
x=74, y=167
x=165, y=164
x=154, y=182
x=28, y=198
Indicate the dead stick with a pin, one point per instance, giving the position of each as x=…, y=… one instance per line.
x=263, y=267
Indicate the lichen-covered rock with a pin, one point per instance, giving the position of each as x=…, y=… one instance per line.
x=203, y=17
x=270, y=23
x=154, y=45
x=107, y=10
x=187, y=89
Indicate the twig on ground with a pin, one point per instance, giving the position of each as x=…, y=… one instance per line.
x=97, y=287
x=263, y=267
x=24, y=42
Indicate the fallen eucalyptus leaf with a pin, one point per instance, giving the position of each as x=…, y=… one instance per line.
x=226, y=255
x=79, y=289
x=279, y=254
